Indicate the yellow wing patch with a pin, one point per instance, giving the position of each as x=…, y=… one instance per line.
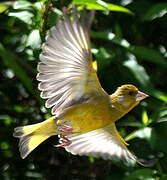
x=94, y=65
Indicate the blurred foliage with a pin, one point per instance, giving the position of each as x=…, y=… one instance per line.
x=129, y=45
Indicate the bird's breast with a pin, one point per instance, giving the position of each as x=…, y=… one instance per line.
x=89, y=116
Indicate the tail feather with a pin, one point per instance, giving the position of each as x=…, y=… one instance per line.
x=33, y=135
x=24, y=130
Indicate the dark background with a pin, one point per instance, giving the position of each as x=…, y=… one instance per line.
x=128, y=48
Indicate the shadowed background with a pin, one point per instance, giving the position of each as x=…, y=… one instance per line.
x=129, y=44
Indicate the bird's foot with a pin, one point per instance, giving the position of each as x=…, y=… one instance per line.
x=65, y=129
x=63, y=142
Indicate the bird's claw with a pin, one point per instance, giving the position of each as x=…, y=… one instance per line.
x=63, y=142
x=66, y=129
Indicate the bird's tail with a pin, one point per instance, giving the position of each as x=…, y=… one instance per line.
x=32, y=135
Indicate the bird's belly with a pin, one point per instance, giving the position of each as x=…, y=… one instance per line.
x=87, y=117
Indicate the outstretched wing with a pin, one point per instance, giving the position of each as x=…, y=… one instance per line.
x=65, y=70
x=105, y=143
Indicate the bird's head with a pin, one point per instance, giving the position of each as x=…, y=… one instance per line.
x=127, y=96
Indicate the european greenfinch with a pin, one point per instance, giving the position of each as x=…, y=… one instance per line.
x=84, y=115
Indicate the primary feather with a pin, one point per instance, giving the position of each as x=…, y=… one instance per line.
x=105, y=143
x=65, y=70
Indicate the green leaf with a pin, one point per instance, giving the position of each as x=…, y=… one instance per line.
x=142, y=52
x=101, y=5
x=158, y=137
x=138, y=71
x=4, y=145
x=9, y=60
x=160, y=95
x=101, y=55
x=34, y=40
x=130, y=123
x=24, y=16
x=103, y=35
x=3, y=7
x=145, y=118
x=144, y=133
x=111, y=37
x=141, y=174
x=22, y=4
x=156, y=11
x=163, y=113
x=164, y=177
x=6, y=119
x=149, y=54
x=161, y=120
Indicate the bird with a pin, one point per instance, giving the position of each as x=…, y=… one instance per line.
x=83, y=113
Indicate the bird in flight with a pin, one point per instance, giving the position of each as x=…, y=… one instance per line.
x=84, y=115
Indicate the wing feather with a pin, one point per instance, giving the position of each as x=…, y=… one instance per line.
x=104, y=143
x=65, y=67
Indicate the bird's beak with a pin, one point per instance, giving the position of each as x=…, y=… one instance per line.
x=140, y=96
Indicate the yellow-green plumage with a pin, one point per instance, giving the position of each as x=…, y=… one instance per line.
x=70, y=84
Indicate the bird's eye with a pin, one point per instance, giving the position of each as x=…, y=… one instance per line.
x=131, y=93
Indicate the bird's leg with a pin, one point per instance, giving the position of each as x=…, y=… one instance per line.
x=65, y=129
x=63, y=142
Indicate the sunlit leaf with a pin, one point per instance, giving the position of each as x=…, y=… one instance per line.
x=22, y=4
x=57, y=11
x=161, y=120
x=145, y=118
x=39, y=6
x=104, y=53
x=156, y=11
x=34, y=40
x=43, y=1
x=144, y=133
x=138, y=71
x=101, y=56
x=158, y=94
x=24, y=16
x=3, y=7
x=103, y=35
x=101, y=5
x=142, y=52
x=163, y=113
